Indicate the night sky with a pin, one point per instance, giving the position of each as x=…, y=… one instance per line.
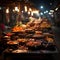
x=48, y=4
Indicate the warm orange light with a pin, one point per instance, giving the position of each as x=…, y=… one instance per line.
x=25, y=8
x=37, y=12
x=13, y=10
x=30, y=9
x=29, y=12
x=16, y=9
x=7, y=10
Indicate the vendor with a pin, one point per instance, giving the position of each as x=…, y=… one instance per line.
x=2, y=27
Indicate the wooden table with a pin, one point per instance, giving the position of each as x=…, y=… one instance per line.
x=37, y=55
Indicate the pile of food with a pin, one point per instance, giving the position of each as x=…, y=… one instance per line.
x=32, y=36
x=17, y=29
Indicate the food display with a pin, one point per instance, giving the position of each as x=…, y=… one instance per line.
x=33, y=45
x=12, y=44
x=17, y=28
x=22, y=41
x=45, y=25
x=19, y=51
x=38, y=34
x=31, y=37
x=50, y=40
x=29, y=31
x=6, y=37
x=9, y=34
x=23, y=48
